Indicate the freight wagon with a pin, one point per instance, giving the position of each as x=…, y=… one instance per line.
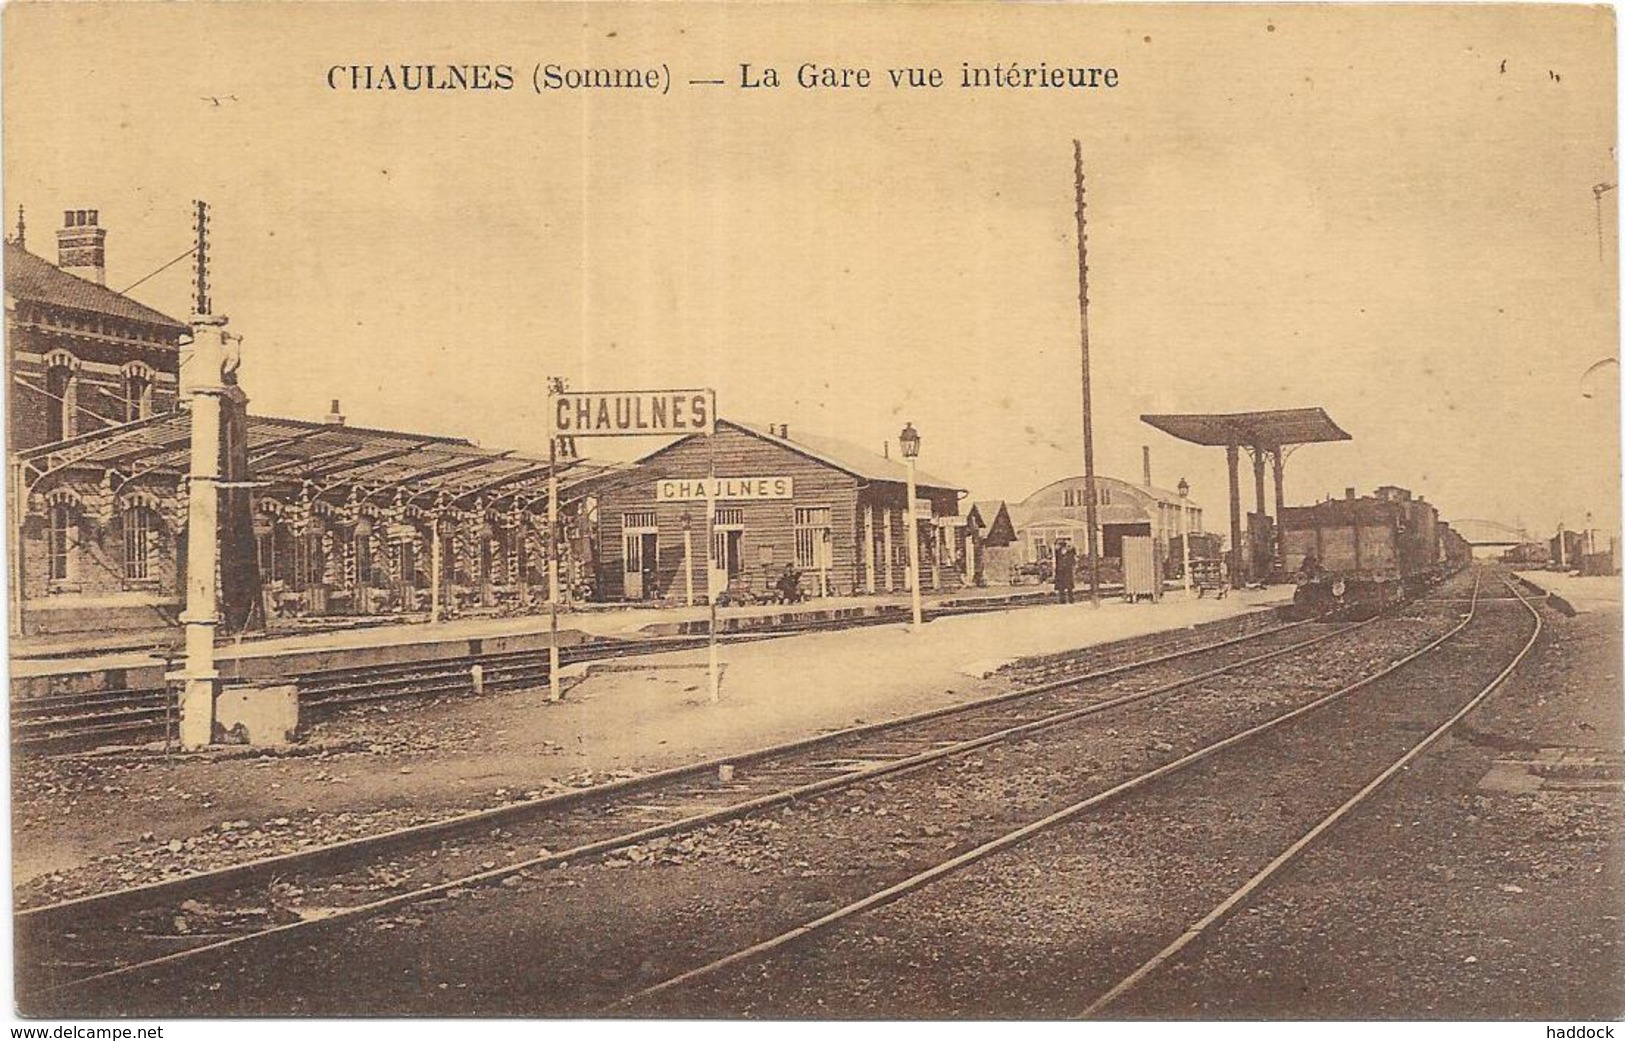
x=1370, y=551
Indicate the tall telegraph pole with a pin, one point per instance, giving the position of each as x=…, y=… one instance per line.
x=203, y=378
x=1088, y=422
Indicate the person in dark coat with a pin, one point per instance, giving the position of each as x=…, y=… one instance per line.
x=1066, y=563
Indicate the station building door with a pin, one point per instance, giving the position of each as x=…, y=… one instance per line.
x=727, y=562
x=640, y=552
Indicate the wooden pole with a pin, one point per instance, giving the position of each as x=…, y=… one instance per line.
x=715, y=668
x=1091, y=515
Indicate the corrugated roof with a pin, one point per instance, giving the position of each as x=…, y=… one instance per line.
x=839, y=454
x=37, y=280
x=1287, y=426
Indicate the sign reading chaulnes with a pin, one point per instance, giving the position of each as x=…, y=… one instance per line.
x=632, y=413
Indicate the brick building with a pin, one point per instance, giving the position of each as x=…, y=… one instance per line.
x=83, y=357
x=341, y=520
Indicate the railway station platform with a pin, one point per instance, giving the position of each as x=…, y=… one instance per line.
x=1590, y=593
x=372, y=770
x=86, y=663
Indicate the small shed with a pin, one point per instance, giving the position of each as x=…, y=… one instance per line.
x=992, y=543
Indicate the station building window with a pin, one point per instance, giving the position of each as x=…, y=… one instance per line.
x=137, y=396
x=61, y=388
x=58, y=547
x=140, y=524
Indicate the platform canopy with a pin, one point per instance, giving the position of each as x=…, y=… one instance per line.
x=1272, y=429
x=335, y=463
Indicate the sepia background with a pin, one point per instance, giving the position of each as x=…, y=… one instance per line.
x=1387, y=212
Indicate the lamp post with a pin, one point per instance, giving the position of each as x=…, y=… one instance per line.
x=909, y=439
x=1185, y=533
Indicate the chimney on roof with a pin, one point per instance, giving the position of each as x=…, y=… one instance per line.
x=1145, y=463
x=885, y=449
x=22, y=229
x=334, y=416
x=1348, y=493
x=81, y=245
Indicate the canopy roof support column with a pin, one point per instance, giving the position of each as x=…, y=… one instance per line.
x=1232, y=456
x=1279, y=466
x=1259, y=567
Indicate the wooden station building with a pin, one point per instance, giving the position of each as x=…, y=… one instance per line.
x=836, y=514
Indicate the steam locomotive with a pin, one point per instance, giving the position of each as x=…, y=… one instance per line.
x=1367, y=552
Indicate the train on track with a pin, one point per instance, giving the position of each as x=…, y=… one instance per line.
x=1367, y=552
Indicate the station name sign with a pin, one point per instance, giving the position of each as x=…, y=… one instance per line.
x=681, y=489
x=670, y=413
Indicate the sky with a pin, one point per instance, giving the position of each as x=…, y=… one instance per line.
x=1386, y=212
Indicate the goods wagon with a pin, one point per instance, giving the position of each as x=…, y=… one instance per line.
x=1370, y=551
x=1455, y=552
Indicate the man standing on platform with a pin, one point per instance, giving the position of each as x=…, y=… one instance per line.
x=1066, y=562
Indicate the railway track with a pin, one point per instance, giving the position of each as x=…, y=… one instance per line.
x=108, y=938
x=70, y=722
x=1079, y=939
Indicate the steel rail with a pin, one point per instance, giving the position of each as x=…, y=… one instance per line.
x=1223, y=909
x=354, y=850
x=238, y=874
x=1016, y=836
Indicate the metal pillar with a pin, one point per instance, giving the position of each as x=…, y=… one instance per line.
x=16, y=504
x=1232, y=456
x=435, y=567
x=1259, y=565
x=1278, y=465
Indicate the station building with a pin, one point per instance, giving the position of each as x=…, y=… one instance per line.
x=834, y=513
x=83, y=357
